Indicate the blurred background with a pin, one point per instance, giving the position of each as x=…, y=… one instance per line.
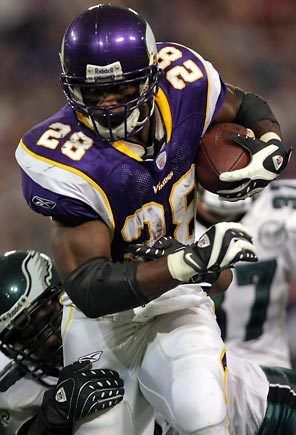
x=250, y=42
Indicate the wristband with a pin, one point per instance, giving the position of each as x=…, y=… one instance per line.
x=43, y=427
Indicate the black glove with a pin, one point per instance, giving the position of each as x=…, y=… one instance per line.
x=163, y=246
x=79, y=392
x=268, y=159
x=219, y=248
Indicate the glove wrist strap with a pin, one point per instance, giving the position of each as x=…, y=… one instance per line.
x=48, y=421
x=43, y=427
x=266, y=137
x=178, y=269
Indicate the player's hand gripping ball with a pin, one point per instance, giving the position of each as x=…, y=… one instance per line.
x=218, y=153
x=234, y=164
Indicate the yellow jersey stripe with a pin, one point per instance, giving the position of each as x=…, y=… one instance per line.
x=69, y=320
x=123, y=148
x=80, y=174
x=165, y=110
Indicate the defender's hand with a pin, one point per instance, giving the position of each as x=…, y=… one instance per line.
x=268, y=159
x=80, y=391
x=222, y=245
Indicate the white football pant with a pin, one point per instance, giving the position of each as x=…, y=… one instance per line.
x=175, y=359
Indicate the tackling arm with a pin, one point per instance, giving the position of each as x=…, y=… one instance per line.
x=98, y=287
x=80, y=392
x=85, y=250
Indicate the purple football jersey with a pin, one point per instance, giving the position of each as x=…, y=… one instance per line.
x=68, y=170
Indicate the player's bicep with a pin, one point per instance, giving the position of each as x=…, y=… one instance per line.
x=229, y=109
x=72, y=245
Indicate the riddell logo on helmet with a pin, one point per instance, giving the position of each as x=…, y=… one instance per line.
x=13, y=312
x=102, y=71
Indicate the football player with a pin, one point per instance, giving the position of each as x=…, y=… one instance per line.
x=116, y=166
x=252, y=313
x=37, y=395
x=259, y=393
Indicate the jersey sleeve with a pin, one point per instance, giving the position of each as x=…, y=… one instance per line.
x=216, y=92
x=191, y=83
x=283, y=197
x=55, y=190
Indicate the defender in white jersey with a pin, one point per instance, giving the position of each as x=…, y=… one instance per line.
x=260, y=399
x=252, y=313
x=35, y=391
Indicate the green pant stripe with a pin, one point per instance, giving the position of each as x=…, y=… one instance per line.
x=280, y=417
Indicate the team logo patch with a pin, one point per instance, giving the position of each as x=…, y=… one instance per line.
x=61, y=395
x=277, y=162
x=92, y=357
x=43, y=202
x=161, y=160
x=272, y=233
x=189, y=259
x=163, y=182
x=204, y=241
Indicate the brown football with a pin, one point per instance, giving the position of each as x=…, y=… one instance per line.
x=218, y=153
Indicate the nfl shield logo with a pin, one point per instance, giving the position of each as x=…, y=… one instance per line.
x=277, y=162
x=161, y=160
x=61, y=395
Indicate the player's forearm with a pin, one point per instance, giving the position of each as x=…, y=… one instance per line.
x=99, y=287
x=266, y=126
x=157, y=271
x=250, y=110
x=154, y=278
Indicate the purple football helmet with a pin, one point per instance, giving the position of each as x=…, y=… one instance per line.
x=105, y=49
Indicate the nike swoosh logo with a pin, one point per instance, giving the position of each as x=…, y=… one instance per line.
x=189, y=257
x=179, y=249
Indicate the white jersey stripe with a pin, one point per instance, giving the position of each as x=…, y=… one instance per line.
x=66, y=181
